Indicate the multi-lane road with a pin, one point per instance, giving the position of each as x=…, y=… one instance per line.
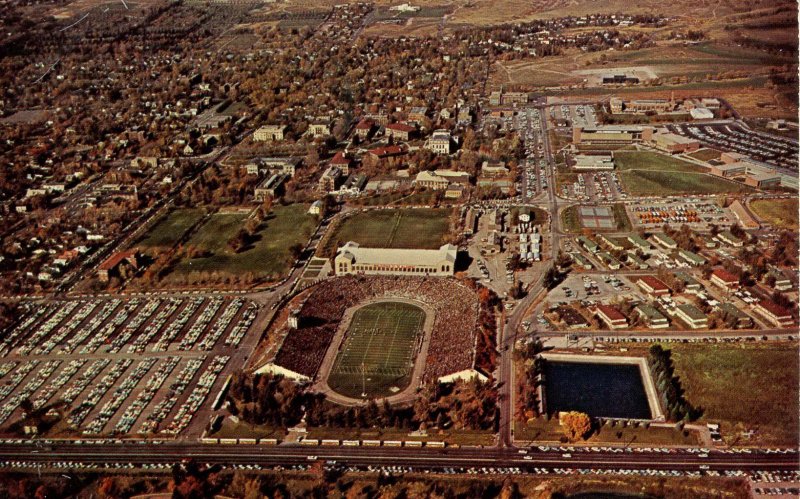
x=416, y=458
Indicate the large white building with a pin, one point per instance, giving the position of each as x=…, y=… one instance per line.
x=353, y=259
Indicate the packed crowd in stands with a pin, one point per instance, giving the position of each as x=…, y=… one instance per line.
x=453, y=336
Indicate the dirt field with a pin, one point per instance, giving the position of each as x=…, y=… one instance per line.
x=781, y=213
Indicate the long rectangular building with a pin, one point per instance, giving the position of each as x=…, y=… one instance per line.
x=612, y=133
x=353, y=259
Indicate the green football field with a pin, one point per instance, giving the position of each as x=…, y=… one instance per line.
x=378, y=350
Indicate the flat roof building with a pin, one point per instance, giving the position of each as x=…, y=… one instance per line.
x=691, y=258
x=612, y=134
x=674, y=143
x=774, y=313
x=640, y=243
x=724, y=279
x=690, y=284
x=728, y=238
x=652, y=286
x=692, y=316
x=612, y=317
x=651, y=316
x=665, y=241
x=440, y=179
x=585, y=162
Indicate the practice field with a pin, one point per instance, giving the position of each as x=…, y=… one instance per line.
x=645, y=173
x=377, y=354
x=268, y=256
x=781, y=213
x=171, y=228
x=424, y=228
x=744, y=387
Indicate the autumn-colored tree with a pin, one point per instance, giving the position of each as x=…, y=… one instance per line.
x=576, y=425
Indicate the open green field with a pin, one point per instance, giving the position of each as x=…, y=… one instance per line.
x=377, y=357
x=171, y=228
x=646, y=173
x=705, y=154
x=543, y=430
x=781, y=213
x=425, y=228
x=267, y=257
x=744, y=387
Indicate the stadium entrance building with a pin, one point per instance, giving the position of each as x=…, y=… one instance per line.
x=352, y=259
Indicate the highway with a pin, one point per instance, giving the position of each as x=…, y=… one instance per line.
x=417, y=458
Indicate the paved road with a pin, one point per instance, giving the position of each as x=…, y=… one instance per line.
x=423, y=458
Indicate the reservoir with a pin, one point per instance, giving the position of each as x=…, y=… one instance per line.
x=599, y=390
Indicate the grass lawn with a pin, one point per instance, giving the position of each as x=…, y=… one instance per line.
x=229, y=429
x=267, y=257
x=570, y=220
x=542, y=430
x=452, y=437
x=167, y=231
x=744, y=387
x=394, y=228
x=646, y=173
x=647, y=160
x=621, y=219
x=781, y=213
x=706, y=154
x=666, y=183
x=377, y=356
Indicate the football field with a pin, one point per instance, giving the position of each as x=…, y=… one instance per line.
x=378, y=350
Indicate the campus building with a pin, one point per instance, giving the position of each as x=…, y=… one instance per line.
x=692, y=316
x=439, y=142
x=353, y=259
x=651, y=316
x=604, y=134
x=612, y=317
x=269, y=133
x=652, y=286
x=775, y=314
x=724, y=279
x=440, y=179
x=585, y=162
x=674, y=143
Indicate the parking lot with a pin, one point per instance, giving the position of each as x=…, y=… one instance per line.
x=593, y=288
x=696, y=213
x=123, y=366
x=579, y=115
x=772, y=149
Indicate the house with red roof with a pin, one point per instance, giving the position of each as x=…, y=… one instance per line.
x=364, y=128
x=400, y=131
x=112, y=265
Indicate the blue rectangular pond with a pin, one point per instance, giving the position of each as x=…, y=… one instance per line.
x=599, y=390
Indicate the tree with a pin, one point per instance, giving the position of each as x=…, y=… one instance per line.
x=576, y=425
